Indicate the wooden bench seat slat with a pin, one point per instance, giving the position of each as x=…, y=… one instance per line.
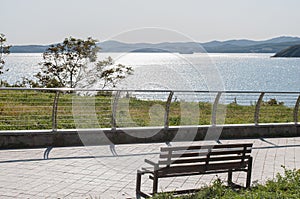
x=196, y=154
x=206, y=147
x=197, y=173
x=201, y=168
x=196, y=160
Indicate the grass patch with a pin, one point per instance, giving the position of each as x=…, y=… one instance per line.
x=25, y=110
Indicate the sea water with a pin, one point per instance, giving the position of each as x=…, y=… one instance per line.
x=240, y=72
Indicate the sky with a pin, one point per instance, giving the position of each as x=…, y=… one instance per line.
x=50, y=21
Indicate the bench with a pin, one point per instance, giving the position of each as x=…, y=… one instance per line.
x=197, y=160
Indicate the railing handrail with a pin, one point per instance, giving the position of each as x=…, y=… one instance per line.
x=148, y=90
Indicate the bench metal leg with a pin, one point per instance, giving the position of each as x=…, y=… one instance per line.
x=229, y=180
x=138, y=184
x=155, y=183
x=248, y=182
x=139, y=192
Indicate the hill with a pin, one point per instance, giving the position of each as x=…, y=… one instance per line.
x=292, y=51
x=273, y=45
x=28, y=49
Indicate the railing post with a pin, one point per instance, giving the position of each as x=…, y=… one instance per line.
x=296, y=109
x=215, y=108
x=114, y=111
x=54, y=111
x=257, y=108
x=167, y=111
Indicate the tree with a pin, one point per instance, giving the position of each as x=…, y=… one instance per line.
x=4, y=50
x=107, y=74
x=62, y=63
x=68, y=63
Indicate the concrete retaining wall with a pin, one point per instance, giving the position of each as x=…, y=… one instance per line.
x=63, y=138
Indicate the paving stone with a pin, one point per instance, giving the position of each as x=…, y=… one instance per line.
x=74, y=172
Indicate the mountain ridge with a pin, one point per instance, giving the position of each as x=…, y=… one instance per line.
x=292, y=51
x=272, y=45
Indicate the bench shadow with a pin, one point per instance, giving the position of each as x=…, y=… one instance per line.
x=76, y=157
x=273, y=145
x=113, y=155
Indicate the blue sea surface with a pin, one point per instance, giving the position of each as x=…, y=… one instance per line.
x=240, y=72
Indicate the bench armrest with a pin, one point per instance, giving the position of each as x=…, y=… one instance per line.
x=150, y=162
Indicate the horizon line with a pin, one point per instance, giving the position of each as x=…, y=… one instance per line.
x=126, y=42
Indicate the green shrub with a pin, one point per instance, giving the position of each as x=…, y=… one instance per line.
x=283, y=186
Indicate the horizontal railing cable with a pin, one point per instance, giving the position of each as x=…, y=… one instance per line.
x=65, y=108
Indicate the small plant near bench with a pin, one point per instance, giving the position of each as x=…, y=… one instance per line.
x=285, y=185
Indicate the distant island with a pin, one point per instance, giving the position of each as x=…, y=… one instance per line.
x=292, y=51
x=231, y=46
x=149, y=50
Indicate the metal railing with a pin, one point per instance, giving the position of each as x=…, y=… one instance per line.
x=58, y=108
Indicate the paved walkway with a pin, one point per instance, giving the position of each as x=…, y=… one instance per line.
x=96, y=172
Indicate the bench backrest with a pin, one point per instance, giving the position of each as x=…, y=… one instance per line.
x=204, y=155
